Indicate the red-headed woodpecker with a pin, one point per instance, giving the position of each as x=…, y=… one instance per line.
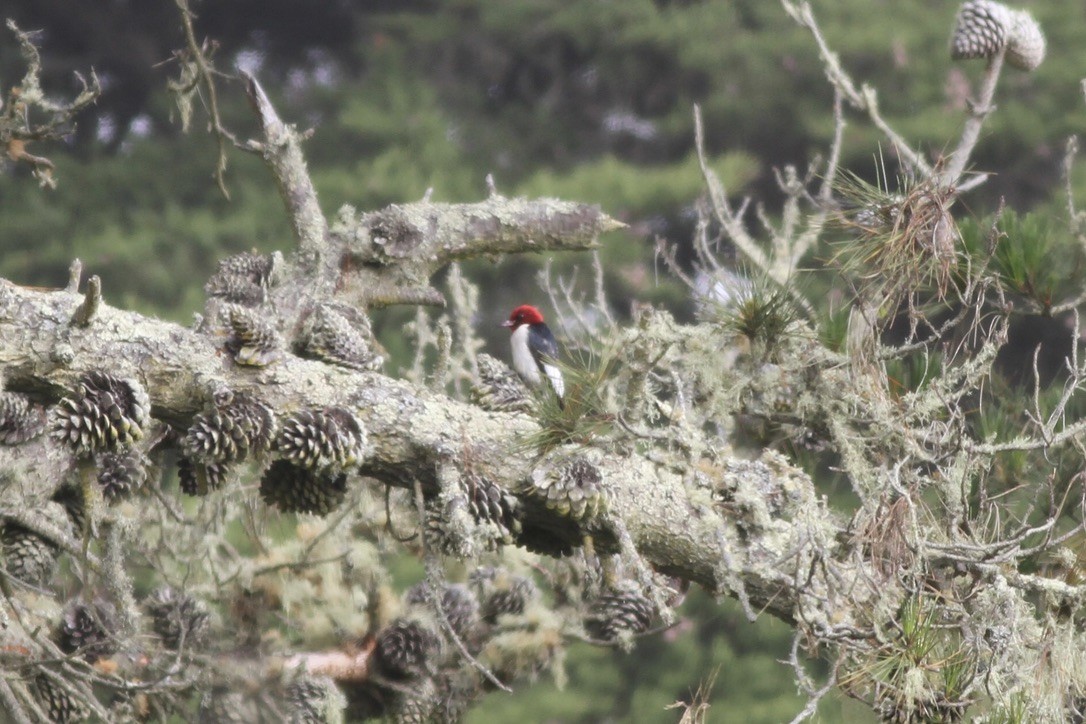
x=534, y=348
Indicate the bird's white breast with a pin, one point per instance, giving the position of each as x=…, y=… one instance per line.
x=523, y=362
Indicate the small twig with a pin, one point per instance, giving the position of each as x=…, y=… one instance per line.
x=601, y=296
x=813, y=696
x=669, y=253
x=425, y=338
x=18, y=131
x=339, y=665
x=977, y=180
x=1076, y=218
x=728, y=573
x=865, y=98
x=433, y=574
x=75, y=276
x=443, y=344
x=92, y=299
x=971, y=133
x=618, y=644
x=299, y=565
x=345, y=512
x=729, y=221
x=464, y=307
x=825, y=191
x=817, y=220
x=206, y=73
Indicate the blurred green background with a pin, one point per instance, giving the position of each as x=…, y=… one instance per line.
x=588, y=100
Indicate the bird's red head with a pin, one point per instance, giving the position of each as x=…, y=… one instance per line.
x=524, y=314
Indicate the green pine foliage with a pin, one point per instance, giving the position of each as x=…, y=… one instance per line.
x=1034, y=258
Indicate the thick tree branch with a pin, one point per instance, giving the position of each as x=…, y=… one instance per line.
x=388, y=256
x=671, y=521
x=281, y=149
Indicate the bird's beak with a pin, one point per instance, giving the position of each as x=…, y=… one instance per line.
x=507, y=323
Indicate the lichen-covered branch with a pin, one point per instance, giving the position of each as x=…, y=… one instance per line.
x=411, y=430
x=980, y=109
x=198, y=72
x=751, y=527
x=864, y=98
x=281, y=150
x=388, y=256
x=26, y=102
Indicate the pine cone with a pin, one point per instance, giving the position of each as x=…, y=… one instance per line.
x=416, y=705
x=88, y=629
x=31, y=556
x=330, y=336
x=61, y=707
x=27, y=556
x=236, y=290
x=253, y=340
x=107, y=412
x=257, y=268
x=511, y=599
x=573, y=489
x=404, y=649
x=1025, y=41
x=310, y=699
x=490, y=504
x=620, y=610
x=178, y=618
x=120, y=473
x=498, y=388
x=242, y=279
x=458, y=603
x=332, y=437
x=238, y=425
x=20, y=420
x=197, y=478
x=294, y=489
x=980, y=30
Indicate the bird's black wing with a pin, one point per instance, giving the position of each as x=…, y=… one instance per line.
x=542, y=343
x=544, y=349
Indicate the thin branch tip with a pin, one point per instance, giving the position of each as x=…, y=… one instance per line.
x=75, y=276
x=92, y=299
